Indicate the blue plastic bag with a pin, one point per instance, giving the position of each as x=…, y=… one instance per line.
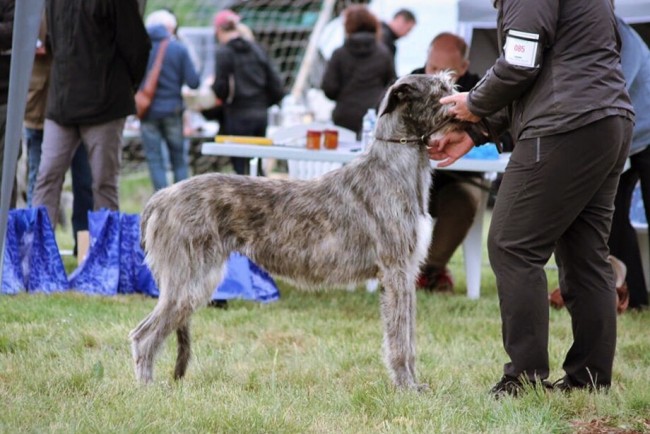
x=245, y=280
x=135, y=276
x=115, y=261
x=99, y=273
x=32, y=261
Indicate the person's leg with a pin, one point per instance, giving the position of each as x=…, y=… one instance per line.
x=518, y=264
x=456, y=204
x=82, y=192
x=172, y=127
x=34, y=139
x=623, y=242
x=548, y=184
x=59, y=145
x=150, y=132
x=587, y=277
x=104, y=143
x=248, y=126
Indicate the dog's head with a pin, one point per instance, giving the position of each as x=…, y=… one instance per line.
x=411, y=107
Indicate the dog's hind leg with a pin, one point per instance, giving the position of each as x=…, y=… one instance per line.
x=398, y=315
x=173, y=311
x=184, y=350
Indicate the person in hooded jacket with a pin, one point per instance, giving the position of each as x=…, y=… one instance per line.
x=358, y=73
x=164, y=119
x=245, y=80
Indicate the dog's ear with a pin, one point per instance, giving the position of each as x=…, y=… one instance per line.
x=397, y=94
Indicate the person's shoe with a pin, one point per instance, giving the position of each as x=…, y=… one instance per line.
x=511, y=386
x=436, y=280
x=566, y=385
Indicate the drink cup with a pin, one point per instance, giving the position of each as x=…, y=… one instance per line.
x=331, y=139
x=313, y=139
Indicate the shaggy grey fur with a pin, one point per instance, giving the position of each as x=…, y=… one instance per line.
x=368, y=219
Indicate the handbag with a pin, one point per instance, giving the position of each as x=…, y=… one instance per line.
x=144, y=96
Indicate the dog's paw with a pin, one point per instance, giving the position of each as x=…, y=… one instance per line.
x=414, y=386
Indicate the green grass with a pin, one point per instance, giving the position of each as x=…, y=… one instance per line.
x=308, y=363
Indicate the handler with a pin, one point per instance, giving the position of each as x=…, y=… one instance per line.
x=558, y=85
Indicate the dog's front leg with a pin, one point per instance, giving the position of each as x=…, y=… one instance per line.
x=398, y=315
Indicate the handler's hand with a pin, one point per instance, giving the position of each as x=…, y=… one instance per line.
x=459, y=107
x=450, y=147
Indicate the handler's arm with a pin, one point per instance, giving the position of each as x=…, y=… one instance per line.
x=529, y=27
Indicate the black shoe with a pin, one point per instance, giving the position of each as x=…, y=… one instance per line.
x=566, y=385
x=219, y=304
x=511, y=386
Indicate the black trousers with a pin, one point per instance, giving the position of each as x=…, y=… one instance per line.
x=623, y=241
x=557, y=195
x=240, y=125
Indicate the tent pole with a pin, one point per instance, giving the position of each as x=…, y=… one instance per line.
x=27, y=18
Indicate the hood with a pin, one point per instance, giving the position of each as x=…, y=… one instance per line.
x=157, y=32
x=239, y=44
x=361, y=44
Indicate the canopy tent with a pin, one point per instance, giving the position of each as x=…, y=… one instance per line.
x=477, y=24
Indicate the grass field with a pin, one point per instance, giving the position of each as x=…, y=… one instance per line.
x=308, y=363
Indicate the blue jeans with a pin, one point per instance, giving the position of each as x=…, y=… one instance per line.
x=81, y=179
x=169, y=129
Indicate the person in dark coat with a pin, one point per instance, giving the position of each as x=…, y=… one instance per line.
x=99, y=57
x=358, y=72
x=34, y=119
x=245, y=80
x=564, y=101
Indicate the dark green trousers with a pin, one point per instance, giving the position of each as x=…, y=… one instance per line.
x=557, y=195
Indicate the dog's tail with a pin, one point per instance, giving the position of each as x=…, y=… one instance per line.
x=184, y=350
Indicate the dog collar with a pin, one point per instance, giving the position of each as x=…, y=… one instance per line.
x=404, y=140
x=424, y=138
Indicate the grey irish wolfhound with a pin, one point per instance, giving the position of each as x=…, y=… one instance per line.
x=367, y=220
